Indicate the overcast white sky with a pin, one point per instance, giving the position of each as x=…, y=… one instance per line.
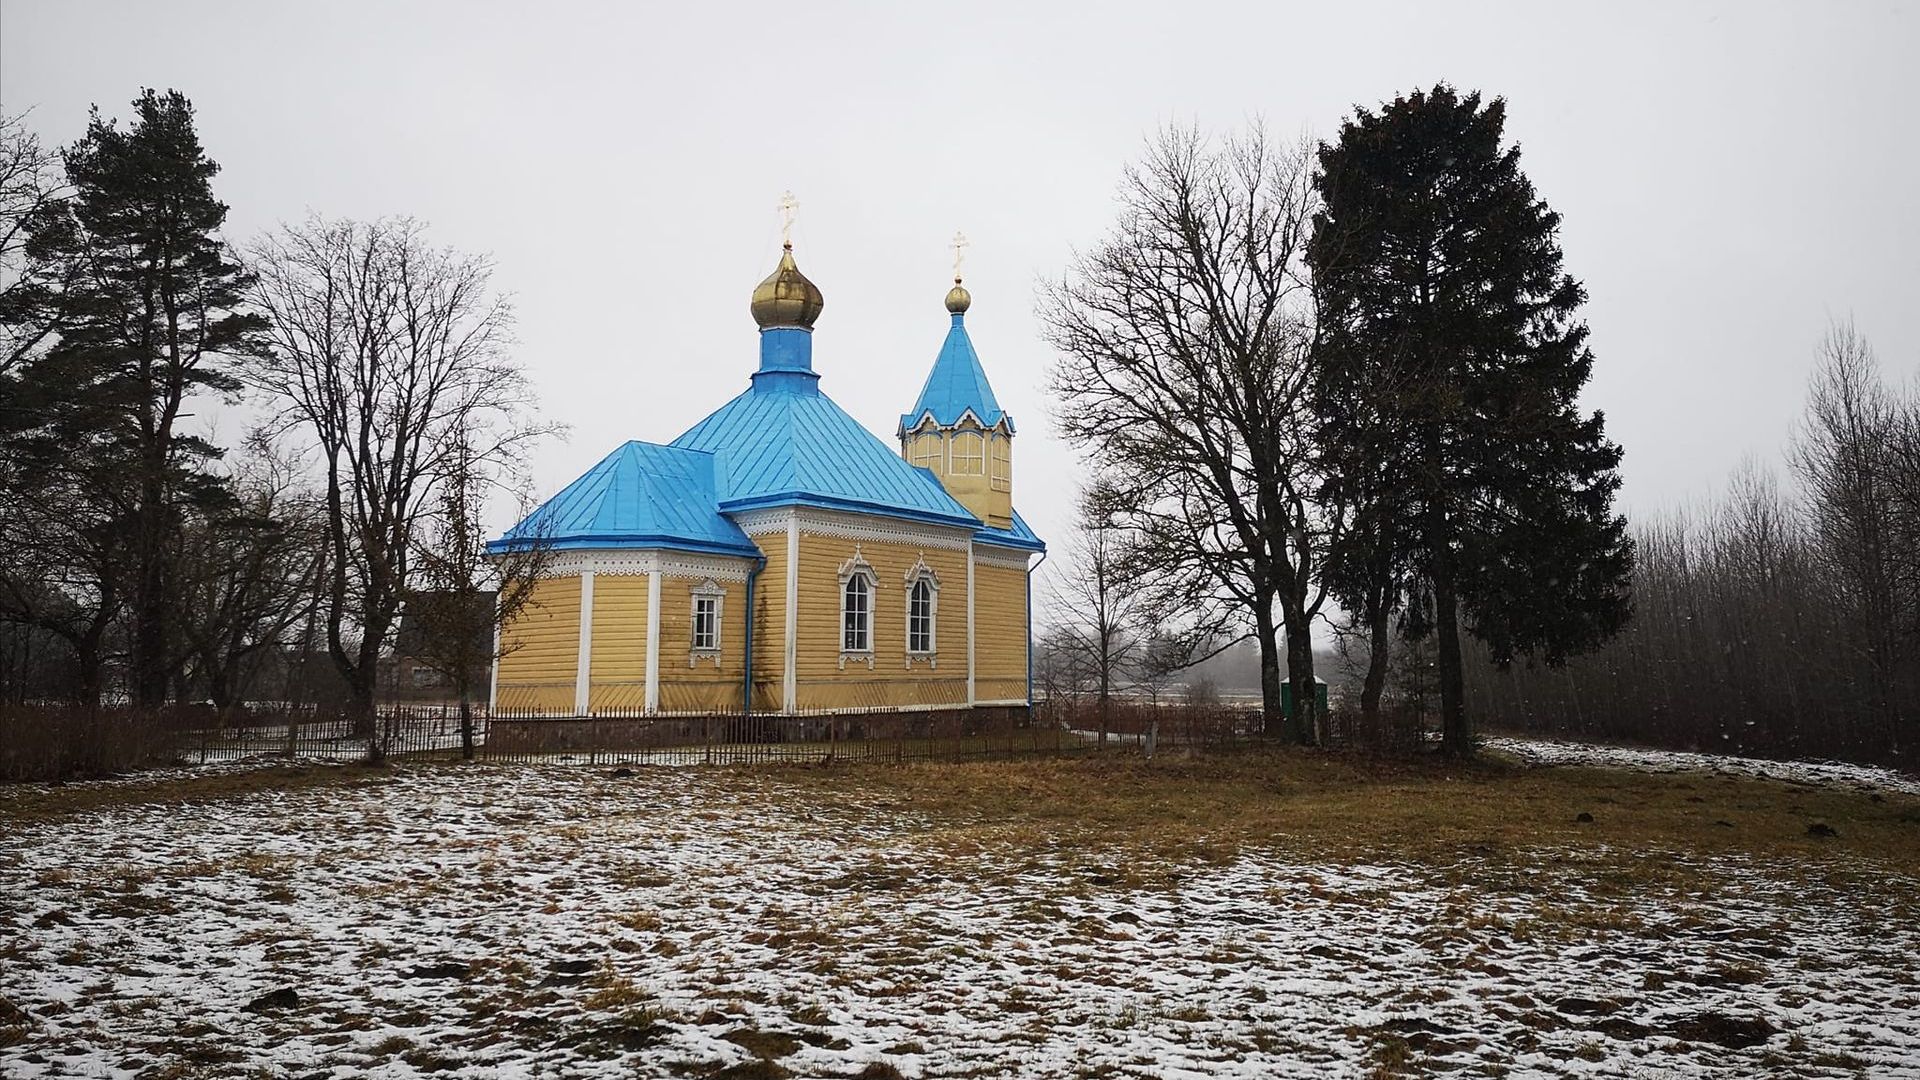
x=1731, y=175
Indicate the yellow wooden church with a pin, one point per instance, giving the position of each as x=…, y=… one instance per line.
x=780, y=558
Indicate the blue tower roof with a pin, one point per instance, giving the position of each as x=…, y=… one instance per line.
x=641, y=495
x=956, y=384
x=784, y=443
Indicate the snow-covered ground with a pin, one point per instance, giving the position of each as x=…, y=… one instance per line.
x=1829, y=773
x=564, y=922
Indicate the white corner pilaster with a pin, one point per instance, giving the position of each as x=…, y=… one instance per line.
x=653, y=641
x=970, y=695
x=790, y=676
x=583, y=667
x=493, y=673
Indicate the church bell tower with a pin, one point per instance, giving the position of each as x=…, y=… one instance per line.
x=957, y=428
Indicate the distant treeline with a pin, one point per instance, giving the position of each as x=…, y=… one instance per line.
x=1775, y=622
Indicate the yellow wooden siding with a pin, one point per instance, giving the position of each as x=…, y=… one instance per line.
x=769, y=622
x=676, y=632
x=702, y=686
x=618, y=678
x=824, y=683
x=1000, y=628
x=541, y=650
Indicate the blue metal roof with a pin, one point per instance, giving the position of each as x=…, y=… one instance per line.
x=1020, y=536
x=640, y=496
x=784, y=443
x=956, y=384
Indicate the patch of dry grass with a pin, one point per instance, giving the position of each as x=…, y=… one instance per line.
x=1133, y=819
x=1345, y=807
x=39, y=802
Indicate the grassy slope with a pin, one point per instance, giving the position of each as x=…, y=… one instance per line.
x=1328, y=805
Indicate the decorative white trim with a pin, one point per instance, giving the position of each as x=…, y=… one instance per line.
x=845, y=525
x=972, y=554
x=621, y=563
x=763, y=522
x=583, y=660
x=706, y=590
x=925, y=422
x=873, y=528
x=917, y=573
x=653, y=642
x=986, y=555
x=858, y=567
x=790, y=682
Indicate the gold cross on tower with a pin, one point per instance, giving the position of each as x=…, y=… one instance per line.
x=960, y=246
x=788, y=204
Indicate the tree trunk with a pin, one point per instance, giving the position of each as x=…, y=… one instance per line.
x=1379, y=644
x=1456, y=737
x=1300, y=726
x=1106, y=690
x=1271, y=720
x=466, y=722
x=147, y=657
x=86, y=656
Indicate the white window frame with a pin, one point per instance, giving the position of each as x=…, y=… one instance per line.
x=922, y=574
x=969, y=464
x=858, y=567
x=1000, y=462
x=927, y=450
x=708, y=590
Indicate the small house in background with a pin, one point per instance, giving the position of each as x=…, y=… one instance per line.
x=421, y=653
x=780, y=556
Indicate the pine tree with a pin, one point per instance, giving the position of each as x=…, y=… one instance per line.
x=149, y=317
x=1450, y=369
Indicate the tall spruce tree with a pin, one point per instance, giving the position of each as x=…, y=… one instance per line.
x=149, y=316
x=1451, y=363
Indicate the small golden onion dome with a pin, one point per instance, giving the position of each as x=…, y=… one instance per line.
x=958, y=298
x=787, y=298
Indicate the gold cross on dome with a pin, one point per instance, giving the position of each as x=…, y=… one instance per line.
x=960, y=245
x=788, y=204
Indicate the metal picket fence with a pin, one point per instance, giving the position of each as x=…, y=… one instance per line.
x=852, y=734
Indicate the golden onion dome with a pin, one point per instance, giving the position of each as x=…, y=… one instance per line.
x=958, y=298
x=787, y=298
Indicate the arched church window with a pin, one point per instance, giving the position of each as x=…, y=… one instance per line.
x=703, y=638
x=857, y=616
x=923, y=605
x=1002, y=465
x=969, y=454
x=920, y=618
x=857, y=588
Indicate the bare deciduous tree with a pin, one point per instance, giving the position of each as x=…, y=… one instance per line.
x=248, y=573
x=1846, y=456
x=391, y=356
x=30, y=184
x=1097, y=600
x=464, y=595
x=1185, y=341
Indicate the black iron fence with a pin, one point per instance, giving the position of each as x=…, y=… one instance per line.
x=59, y=742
